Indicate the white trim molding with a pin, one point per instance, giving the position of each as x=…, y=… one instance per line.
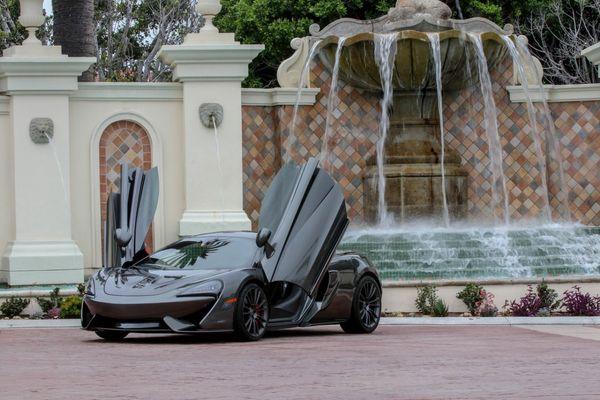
x=4, y=105
x=556, y=93
x=129, y=91
x=279, y=97
x=157, y=154
x=592, y=53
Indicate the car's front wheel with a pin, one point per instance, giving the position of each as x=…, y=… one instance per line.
x=366, y=307
x=112, y=336
x=251, y=313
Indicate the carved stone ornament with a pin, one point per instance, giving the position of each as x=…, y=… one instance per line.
x=41, y=130
x=410, y=9
x=211, y=113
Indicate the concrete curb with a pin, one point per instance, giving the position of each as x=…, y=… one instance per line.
x=400, y=321
x=39, y=323
x=510, y=321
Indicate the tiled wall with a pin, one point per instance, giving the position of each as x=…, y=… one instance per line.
x=122, y=142
x=355, y=121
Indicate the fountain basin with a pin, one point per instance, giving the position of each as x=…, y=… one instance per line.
x=414, y=67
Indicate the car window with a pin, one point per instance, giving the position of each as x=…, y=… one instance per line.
x=278, y=196
x=206, y=253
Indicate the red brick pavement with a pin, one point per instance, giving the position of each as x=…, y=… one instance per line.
x=319, y=363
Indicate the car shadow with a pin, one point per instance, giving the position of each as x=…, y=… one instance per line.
x=207, y=338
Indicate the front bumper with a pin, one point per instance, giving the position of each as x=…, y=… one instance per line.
x=140, y=314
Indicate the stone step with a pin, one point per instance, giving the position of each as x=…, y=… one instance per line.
x=481, y=254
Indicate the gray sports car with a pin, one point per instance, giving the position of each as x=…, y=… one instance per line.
x=286, y=275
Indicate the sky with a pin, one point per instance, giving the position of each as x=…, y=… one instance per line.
x=48, y=6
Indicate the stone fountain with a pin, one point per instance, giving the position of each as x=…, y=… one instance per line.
x=413, y=152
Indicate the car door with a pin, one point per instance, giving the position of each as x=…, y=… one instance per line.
x=305, y=211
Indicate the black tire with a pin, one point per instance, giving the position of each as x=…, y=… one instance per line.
x=112, y=336
x=366, y=307
x=251, y=313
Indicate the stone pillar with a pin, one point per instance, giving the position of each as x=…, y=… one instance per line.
x=38, y=80
x=211, y=66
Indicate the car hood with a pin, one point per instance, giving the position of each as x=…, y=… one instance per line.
x=151, y=282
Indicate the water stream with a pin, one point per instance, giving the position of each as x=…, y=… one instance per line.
x=301, y=83
x=491, y=129
x=332, y=102
x=219, y=166
x=434, y=39
x=552, y=141
x=531, y=111
x=385, y=55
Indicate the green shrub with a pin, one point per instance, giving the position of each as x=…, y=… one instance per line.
x=440, y=308
x=426, y=297
x=14, y=306
x=471, y=295
x=54, y=301
x=71, y=307
x=548, y=297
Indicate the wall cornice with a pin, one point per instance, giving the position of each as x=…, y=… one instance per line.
x=279, y=97
x=556, y=93
x=128, y=91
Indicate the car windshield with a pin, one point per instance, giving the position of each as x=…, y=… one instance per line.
x=205, y=253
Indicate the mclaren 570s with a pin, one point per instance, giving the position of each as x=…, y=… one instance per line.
x=286, y=275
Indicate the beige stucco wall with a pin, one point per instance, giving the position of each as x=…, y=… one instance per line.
x=6, y=181
x=156, y=107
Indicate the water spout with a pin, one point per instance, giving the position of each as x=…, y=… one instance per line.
x=434, y=39
x=491, y=129
x=332, y=102
x=385, y=54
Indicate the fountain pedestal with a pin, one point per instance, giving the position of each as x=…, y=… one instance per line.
x=412, y=165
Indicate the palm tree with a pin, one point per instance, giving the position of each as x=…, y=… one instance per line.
x=74, y=30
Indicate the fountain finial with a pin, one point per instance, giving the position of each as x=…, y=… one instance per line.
x=411, y=9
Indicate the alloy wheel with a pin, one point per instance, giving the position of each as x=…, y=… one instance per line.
x=369, y=303
x=255, y=312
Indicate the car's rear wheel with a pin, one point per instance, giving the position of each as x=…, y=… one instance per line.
x=112, y=336
x=251, y=313
x=366, y=307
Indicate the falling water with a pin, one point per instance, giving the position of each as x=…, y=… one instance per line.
x=61, y=175
x=553, y=143
x=491, y=129
x=332, y=102
x=63, y=183
x=385, y=54
x=301, y=83
x=219, y=165
x=537, y=140
x=434, y=39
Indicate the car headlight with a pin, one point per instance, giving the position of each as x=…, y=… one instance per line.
x=90, y=287
x=211, y=288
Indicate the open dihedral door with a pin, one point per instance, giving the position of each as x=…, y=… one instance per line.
x=129, y=215
x=305, y=211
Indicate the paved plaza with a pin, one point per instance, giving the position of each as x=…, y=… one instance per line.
x=396, y=362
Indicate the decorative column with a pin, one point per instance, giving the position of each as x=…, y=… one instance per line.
x=38, y=80
x=211, y=66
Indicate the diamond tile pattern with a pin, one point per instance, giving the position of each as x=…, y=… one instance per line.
x=122, y=142
x=269, y=140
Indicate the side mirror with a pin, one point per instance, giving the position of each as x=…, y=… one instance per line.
x=262, y=240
